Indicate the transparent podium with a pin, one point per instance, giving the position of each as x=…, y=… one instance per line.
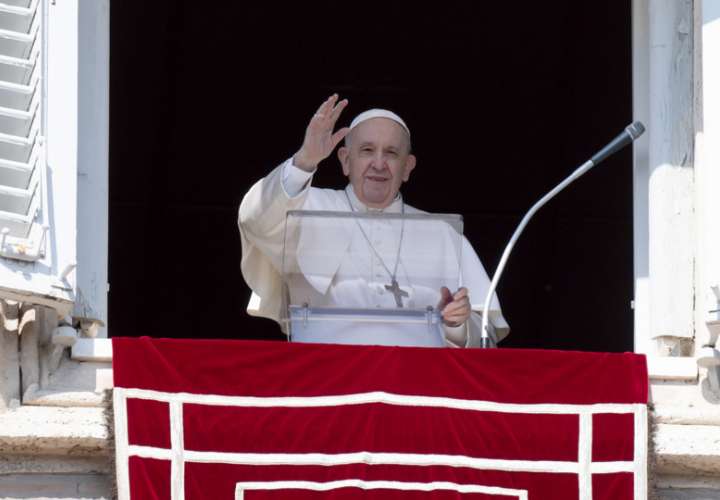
x=368, y=278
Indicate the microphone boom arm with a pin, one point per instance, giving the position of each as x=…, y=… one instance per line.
x=631, y=132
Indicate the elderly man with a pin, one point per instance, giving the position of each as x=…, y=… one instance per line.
x=377, y=160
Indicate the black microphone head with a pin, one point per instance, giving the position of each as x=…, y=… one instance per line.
x=635, y=129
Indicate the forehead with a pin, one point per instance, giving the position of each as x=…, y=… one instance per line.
x=379, y=130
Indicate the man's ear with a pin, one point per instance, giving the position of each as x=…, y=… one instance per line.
x=409, y=166
x=343, y=156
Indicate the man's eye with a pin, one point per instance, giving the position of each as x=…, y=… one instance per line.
x=366, y=150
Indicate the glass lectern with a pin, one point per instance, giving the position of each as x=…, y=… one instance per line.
x=369, y=278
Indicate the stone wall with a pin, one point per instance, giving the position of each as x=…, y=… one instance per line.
x=54, y=442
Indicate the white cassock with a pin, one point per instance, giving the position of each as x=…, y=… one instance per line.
x=357, y=282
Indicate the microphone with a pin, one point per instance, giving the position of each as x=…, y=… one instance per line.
x=631, y=132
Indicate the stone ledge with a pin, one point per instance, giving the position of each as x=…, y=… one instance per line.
x=55, y=464
x=685, y=415
x=73, y=384
x=56, y=487
x=67, y=398
x=53, y=430
x=687, y=449
x=686, y=488
x=687, y=494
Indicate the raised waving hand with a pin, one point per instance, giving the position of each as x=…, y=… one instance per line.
x=320, y=140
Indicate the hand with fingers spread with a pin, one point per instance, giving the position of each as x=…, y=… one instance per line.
x=455, y=308
x=320, y=141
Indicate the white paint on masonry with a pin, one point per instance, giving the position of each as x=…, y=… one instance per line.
x=707, y=172
x=670, y=161
x=641, y=112
x=93, y=150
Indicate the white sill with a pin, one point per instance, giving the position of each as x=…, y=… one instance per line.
x=99, y=350
x=683, y=369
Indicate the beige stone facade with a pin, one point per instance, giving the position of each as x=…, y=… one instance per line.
x=54, y=441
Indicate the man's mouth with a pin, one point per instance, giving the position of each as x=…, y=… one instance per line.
x=376, y=178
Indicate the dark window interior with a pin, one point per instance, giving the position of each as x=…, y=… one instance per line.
x=503, y=99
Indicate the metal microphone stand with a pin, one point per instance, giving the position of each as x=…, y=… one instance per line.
x=631, y=132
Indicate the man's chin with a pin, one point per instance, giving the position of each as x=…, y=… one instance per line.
x=376, y=199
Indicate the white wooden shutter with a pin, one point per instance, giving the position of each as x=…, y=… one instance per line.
x=21, y=158
x=35, y=265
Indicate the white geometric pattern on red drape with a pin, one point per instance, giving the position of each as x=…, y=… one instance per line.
x=584, y=467
x=306, y=471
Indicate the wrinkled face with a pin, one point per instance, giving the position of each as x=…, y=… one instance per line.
x=377, y=160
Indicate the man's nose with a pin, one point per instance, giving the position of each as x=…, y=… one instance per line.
x=379, y=161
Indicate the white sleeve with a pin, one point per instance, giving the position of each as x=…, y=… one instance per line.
x=455, y=336
x=294, y=179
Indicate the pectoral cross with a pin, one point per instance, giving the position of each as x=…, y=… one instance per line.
x=397, y=292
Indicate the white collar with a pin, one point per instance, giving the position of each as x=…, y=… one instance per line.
x=394, y=208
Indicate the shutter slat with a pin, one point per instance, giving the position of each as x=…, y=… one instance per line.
x=20, y=3
x=16, y=174
x=14, y=200
x=16, y=69
x=14, y=18
x=15, y=44
x=15, y=96
x=15, y=122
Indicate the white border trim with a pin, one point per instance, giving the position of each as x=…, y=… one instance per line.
x=122, y=452
x=585, y=446
x=381, y=397
x=376, y=458
x=640, y=453
x=178, y=456
x=240, y=488
x=177, y=452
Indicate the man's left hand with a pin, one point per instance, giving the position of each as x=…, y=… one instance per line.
x=455, y=308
